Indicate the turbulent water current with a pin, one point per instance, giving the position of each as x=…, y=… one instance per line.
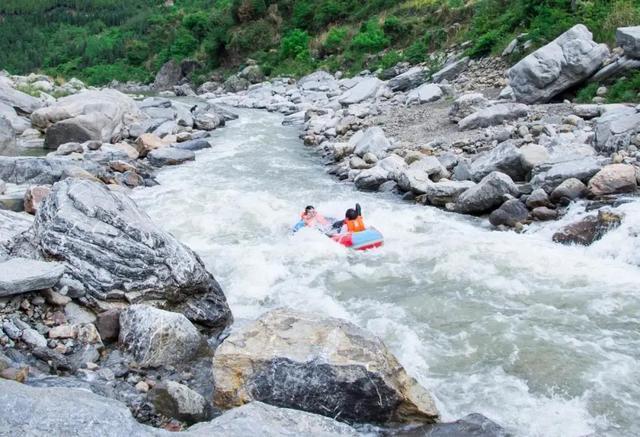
x=542, y=338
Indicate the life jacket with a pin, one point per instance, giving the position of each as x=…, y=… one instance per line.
x=356, y=225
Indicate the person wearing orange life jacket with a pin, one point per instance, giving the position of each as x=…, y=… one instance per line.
x=311, y=218
x=353, y=221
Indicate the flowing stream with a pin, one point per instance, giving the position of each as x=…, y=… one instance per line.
x=542, y=338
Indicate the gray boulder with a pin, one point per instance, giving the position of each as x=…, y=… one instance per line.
x=506, y=158
x=549, y=176
x=568, y=190
x=616, y=68
x=556, y=67
x=32, y=412
x=192, y=145
x=538, y=198
x=533, y=155
x=20, y=275
x=235, y=84
x=441, y=193
x=18, y=123
x=466, y=105
x=371, y=140
x=100, y=115
x=113, y=251
x=168, y=76
x=257, y=418
x=451, y=71
x=43, y=171
x=616, y=128
x=472, y=425
x=252, y=73
x=371, y=179
x=488, y=194
x=345, y=374
x=629, y=39
x=170, y=156
x=408, y=80
x=12, y=224
x=178, y=401
x=613, y=179
x=425, y=94
x=420, y=174
x=494, y=115
x=510, y=213
x=21, y=102
x=588, y=229
x=366, y=88
x=7, y=138
x=156, y=337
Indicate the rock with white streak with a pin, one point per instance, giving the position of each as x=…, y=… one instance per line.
x=156, y=337
x=556, y=67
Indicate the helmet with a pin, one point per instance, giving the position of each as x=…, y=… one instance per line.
x=351, y=214
x=308, y=208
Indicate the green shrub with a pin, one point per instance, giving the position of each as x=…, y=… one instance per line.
x=295, y=45
x=586, y=94
x=624, y=90
x=390, y=59
x=417, y=52
x=334, y=43
x=370, y=38
x=394, y=27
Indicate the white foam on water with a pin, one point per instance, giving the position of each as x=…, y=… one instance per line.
x=542, y=338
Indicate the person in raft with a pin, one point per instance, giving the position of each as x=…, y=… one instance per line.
x=312, y=218
x=353, y=221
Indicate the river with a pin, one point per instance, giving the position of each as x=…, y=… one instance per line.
x=542, y=338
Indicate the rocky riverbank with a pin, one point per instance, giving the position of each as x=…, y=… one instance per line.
x=109, y=325
x=474, y=137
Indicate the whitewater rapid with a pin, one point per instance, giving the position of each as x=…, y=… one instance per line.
x=542, y=338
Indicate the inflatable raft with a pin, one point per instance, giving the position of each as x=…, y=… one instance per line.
x=367, y=239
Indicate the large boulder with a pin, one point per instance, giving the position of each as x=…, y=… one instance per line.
x=235, y=84
x=18, y=123
x=629, y=39
x=506, y=158
x=408, y=80
x=613, y=179
x=616, y=128
x=425, y=94
x=12, y=224
x=466, y=105
x=371, y=179
x=371, y=140
x=420, y=174
x=365, y=89
x=344, y=372
x=156, y=337
x=19, y=275
x=568, y=190
x=451, y=71
x=21, y=102
x=488, y=194
x=494, y=115
x=588, y=229
x=252, y=73
x=43, y=171
x=266, y=420
x=29, y=411
x=100, y=115
x=172, y=399
x=168, y=76
x=113, y=251
x=170, y=156
x=7, y=137
x=549, y=176
x=556, y=67
x=441, y=193
x=510, y=213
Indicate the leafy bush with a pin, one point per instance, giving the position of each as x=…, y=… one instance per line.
x=417, y=52
x=295, y=45
x=394, y=27
x=334, y=43
x=370, y=38
x=625, y=90
x=586, y=94
x=390, y=59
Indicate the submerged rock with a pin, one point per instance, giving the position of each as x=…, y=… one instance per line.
x=588, y=230
x=473, y=425
x=170, y=156
x=320, y=365
x=108, y=243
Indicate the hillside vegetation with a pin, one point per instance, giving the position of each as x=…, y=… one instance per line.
x=102, y=40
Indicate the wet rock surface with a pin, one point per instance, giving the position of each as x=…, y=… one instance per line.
x=345, y=373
